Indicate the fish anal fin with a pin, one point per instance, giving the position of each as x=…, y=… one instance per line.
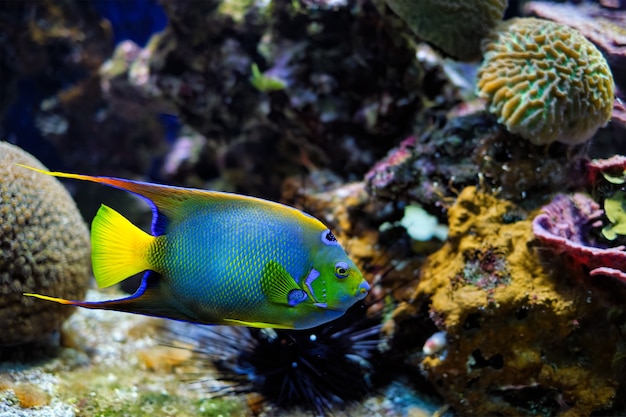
x=259, y=325
x=48, y=298
x=277, y=284
x=147, y=300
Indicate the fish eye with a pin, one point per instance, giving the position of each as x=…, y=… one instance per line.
x=328, y=238
x=342, y=270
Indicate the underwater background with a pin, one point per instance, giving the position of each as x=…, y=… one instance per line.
x=469, y=155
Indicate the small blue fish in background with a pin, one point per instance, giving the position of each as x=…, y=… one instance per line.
x=221, y=258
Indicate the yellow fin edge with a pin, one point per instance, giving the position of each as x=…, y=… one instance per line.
x=256, y=324
x=45, y=297
x=54, y=174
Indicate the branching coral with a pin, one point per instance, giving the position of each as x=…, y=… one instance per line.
x=545, y=81
x=455, y=26
x=44, y=247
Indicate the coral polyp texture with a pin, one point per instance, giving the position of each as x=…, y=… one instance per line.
x=545, y=81
x=44, y=248
x=456, y=27
x=522, y=335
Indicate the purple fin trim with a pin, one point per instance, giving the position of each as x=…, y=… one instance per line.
x=313, y=275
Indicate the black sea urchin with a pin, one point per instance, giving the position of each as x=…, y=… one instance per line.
x=316, y=369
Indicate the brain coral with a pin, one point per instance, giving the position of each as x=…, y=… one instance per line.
x=44, y=248
x=455, y=26
x=545, y=81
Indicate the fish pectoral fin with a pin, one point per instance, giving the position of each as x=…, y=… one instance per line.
x=277, y=284
x=260, y=325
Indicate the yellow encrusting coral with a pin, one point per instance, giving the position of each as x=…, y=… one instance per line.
x=545, y=81
x=456, y=27
x=521, y=333
x=44, y=247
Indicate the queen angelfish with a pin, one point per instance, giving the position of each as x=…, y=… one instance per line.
x=221, y=258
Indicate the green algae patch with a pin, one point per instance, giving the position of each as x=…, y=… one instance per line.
x=98, y=392
x=104, y=371
x=615, y=208
x=158, y=404
x=264, y=83
x=220, y=407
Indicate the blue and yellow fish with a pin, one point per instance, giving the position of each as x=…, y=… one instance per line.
x=221, y=258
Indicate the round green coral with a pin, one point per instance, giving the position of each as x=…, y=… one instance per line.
x=44, y=248
x=545, y=81
x=456, y=27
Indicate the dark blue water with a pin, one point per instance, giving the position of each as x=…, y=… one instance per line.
x=134, y=20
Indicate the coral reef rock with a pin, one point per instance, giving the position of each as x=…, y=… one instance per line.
x=288, y=88
x=47, y=51
x=44, y=248
x=521, y=336
x=565, y=226
x=431, y=168
x=545, y=81
x=457, y=27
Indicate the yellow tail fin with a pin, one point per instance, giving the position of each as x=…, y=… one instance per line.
x=119, y=249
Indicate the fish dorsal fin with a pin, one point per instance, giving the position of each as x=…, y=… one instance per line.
x=166, y=201
x=279, y=287
x=169, y=203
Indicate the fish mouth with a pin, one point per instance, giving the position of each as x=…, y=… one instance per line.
x=362, y=290
x=347, y=301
